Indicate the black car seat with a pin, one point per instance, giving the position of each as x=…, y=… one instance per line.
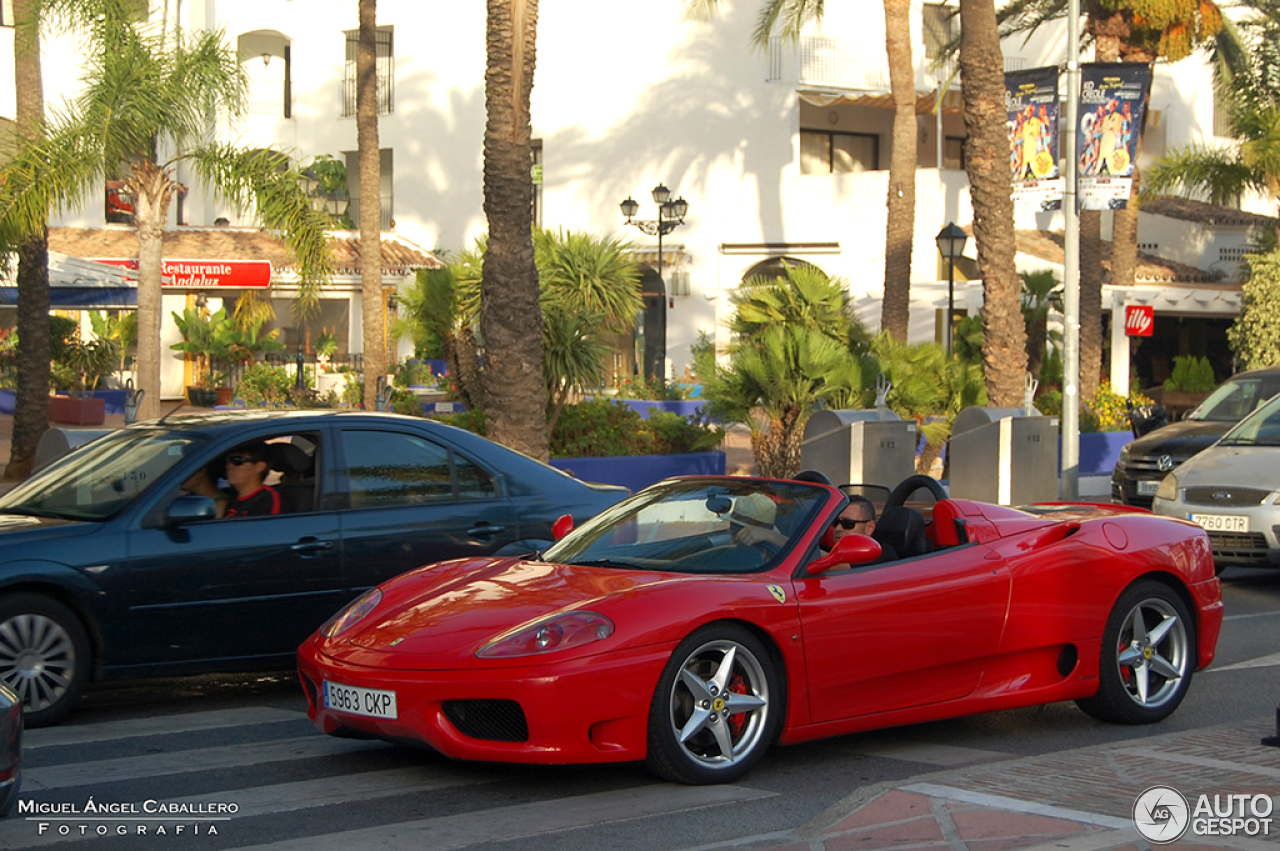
x=903, y=529
x=297, y=486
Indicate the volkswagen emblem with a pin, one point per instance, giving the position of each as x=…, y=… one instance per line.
x=1164, y=463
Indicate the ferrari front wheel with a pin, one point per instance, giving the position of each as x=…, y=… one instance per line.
x=717, y=708
x=1148, y=657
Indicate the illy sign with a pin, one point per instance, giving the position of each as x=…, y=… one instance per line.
x=1139, y=320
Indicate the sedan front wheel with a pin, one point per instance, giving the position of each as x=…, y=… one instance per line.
x=717, y=708
x=44, y=656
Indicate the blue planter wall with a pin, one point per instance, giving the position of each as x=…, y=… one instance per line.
x=639, y=471
x=683, y=407
x=115, y=400
x=1099, y=451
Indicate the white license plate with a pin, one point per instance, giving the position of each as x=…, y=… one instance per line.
x=372, y=702
x=1148, y=488
x=1221, y=522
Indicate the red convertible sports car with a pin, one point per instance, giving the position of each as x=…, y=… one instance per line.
x=656, y=632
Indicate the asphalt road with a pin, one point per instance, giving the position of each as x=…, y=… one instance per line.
x=244, y=740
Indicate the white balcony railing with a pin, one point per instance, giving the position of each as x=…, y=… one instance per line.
x=830, y=63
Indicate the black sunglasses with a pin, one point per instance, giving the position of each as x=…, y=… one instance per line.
x=237, y=460
x=847, y=524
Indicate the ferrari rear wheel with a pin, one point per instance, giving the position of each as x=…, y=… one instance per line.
x=1148, y=657
x=717, y=708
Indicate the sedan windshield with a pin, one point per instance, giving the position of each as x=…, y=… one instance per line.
x=697, y=526
x=101, y=478
x=1234, y=400
x=1261, y=428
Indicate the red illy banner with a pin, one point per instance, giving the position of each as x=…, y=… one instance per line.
x=1139, y=320
x=208, y=274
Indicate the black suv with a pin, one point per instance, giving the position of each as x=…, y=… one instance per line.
x=1145, y=462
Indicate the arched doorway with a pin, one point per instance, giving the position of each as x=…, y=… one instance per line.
x=772, y=268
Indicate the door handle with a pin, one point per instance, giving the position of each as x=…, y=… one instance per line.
x=484, y=530
x=311, y=545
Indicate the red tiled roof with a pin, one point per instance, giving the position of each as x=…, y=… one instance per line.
x=1202, y=213
x=1049, y=246
x=399, y=256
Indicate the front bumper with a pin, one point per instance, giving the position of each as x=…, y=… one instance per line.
x=588, y=710
x=1258, y=547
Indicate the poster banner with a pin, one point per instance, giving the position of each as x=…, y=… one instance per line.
x=1113, y=109
x=1031, y=98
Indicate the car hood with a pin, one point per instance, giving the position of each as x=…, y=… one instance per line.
x=1232, y=466
x=446, y=612
x=14, y=524
x=1182, y=439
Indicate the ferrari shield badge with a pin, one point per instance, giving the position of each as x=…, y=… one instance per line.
x=778, y=593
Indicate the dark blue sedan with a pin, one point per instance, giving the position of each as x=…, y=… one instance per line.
x=116, y=561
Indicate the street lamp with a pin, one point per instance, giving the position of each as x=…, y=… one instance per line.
x=671, y=215
x=951, y=240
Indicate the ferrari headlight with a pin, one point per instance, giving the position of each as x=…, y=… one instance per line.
x=558, y=632
x=1168, y=490
x=354, y=612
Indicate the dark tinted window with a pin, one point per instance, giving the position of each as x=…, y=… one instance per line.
x=392, y=468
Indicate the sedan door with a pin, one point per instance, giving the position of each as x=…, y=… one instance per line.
x=901, y=634
x=412, y=501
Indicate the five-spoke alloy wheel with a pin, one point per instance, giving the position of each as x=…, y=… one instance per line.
x=716, y=709
x=1148, y=657
x=44, y=656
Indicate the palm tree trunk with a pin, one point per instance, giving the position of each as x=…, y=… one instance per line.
x=896, y=308
x=31, y=408
x=1004, y=353
x=510, y=315
x=375, y=354
x=152, y=190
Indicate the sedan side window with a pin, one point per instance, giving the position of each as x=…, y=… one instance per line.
x=389, y=468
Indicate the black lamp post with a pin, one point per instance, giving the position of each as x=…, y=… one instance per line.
x=671, y=215
x=951, y=240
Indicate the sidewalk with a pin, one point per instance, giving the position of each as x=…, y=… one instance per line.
x=1077, y=800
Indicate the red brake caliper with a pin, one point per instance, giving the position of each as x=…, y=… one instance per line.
x=737, y=685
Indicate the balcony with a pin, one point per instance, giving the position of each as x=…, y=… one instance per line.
x=827, y=63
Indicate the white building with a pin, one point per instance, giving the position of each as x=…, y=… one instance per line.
x=779, y=153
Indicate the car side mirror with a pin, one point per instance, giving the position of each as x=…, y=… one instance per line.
x=191, y=508
x=562, y=526
x=851, y=549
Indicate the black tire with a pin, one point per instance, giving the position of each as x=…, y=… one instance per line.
x=911, y=484
x=1148, y=657
x=44, y=656
x=689, y=699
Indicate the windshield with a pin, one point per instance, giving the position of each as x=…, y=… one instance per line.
x=1232, y=401
x=697, y=526
x=1261, y=428
x=102, y=477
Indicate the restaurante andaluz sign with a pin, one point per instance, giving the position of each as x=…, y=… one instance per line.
x=208, y=274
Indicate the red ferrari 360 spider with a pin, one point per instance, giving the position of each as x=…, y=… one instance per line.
x=702, y=619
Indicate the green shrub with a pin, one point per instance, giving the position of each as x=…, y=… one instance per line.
x=1191, y=374
x=263, y=384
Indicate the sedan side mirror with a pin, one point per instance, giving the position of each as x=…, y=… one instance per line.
x=851, y=549
x=191, y=508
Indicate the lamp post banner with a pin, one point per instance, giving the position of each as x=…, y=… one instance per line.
x=1113, y=111
x=1031, y=99
x=207, y=274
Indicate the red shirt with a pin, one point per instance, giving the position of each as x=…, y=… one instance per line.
x=264, y=500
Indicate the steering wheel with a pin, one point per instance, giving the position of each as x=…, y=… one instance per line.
x=909, y=485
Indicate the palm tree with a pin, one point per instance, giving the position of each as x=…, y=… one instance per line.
x=789, y=18
x=795, y=342
x=510, y=321
x=1039, y=298
x=145, y=108
x=1129, y=31
x=1004, y=354
x=375, y=354
x=31, y=411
